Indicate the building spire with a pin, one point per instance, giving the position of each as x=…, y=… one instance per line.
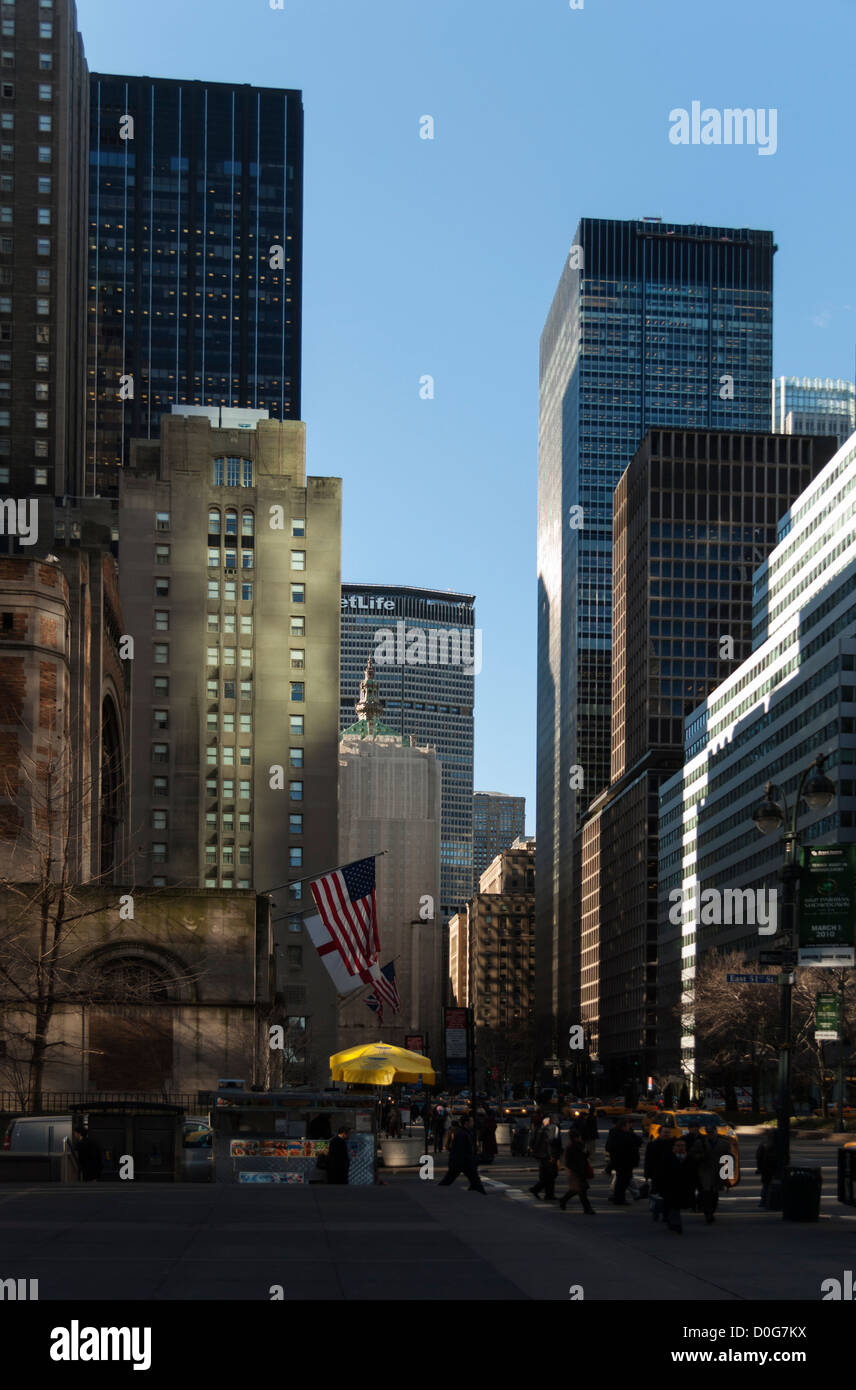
x=369, y=707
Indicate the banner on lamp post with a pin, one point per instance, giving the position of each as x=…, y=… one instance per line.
x=827, y=904
x=826, y=1018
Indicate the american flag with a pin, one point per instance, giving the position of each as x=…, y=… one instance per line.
x=346, y=901
x=386, y=991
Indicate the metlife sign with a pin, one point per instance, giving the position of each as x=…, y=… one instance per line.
x=359, y=603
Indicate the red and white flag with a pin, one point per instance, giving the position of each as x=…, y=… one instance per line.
x=347, y=904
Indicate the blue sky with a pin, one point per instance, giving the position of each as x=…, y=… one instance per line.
x=442, y=256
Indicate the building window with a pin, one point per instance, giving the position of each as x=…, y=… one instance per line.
x=42, y=391
x=246, y=657
x=213, y=622
x=244, y=790
x=298, y=526
x=44, y=155
x=246, y=559
x=295, y=791
x=210, y=854
x=45, y=124
x=211, y=758
x=298, y=559
x=213, y=559
x=228, y=756
x=43, y=308
x=214, y=521
x=160, y=687
x=229, y=820
x=229, y=590
x=297, y=688
x=43, y=246
x=43, y=217
x=41, y=420
x=7, y=154
x=7, y=58
x=43, y=279
x=295, y=756
x=161, y=653
x=245, y=756
x=161, y=588
x=246, y=625
x=210, y=883
x=160, y=718
x=43, y=334
x=228, y=622
x=46, y=29
x=231, y=559
x=231, y=522
x=45, y=91
x=247, y=592
x=160, y=752
x=228, y=789
x=246, y=690
x=232, y=472
x=295, y=856
x=229, y=690
x=40, y=477
x=298, y=627
x=159, y=820
x=161, y=554
x=7, y=91
x=298, y=593
x=295, y=823
x=45, y=62
x=228, y=723
x=247, y=523
x=211, y=689
x=43, y=362
x=214, y=588
x=6, y=218
x=213, y=658
x=228, y=854
x=161, y=521
x=161, y=620
x=296, y=725
x=229, y=656
x=244, y=822
x=244, y=855
x=160, y=787
x=246, y=724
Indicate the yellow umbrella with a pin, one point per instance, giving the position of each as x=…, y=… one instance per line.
x=379, y=1064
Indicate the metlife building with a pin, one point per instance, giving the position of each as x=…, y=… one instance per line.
x=427, y=653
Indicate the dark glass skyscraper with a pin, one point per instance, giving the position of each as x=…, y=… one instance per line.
x=195, y=252
x=498, y=819
x=426, y=692
x=652, y=324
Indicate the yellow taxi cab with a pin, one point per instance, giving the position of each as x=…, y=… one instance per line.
x=648, y=1107
x=615, y=1106
x=679, y=1123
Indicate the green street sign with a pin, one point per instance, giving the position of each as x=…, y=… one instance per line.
x=827, y=903
x=826, y=1017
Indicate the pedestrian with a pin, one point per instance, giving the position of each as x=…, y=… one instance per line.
x=438, y=1126
x=706, y=1154
x=489, y=1146
x=590, y=1132
x=579, y=1171
x=462, y=1157
x=88, y=1155
x=623, y=1149
x=676, y=1181
x=393, y=1122
x=338, y=1158
x=548, y=1166
x=520, y=1137
x=767, y=1164
x=537, y=1119
x=656, y=1152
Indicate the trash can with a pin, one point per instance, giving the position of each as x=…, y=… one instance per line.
x=801, y=1194
x=847, y=1175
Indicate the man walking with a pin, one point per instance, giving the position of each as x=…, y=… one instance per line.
x=338, y=1158
x=548, y=1168
x=706, y=1155
x=462, y=1157
x=656, y=1152
x=623, y=1149
x=579, y=1170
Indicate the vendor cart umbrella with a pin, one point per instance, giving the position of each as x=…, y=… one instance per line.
x=379, y=1064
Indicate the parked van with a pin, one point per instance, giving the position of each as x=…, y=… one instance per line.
x=38, y=1134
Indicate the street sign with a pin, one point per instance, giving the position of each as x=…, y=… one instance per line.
x=752, y=979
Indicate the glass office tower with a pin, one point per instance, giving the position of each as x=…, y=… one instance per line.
x=652, y=324
x=424, y=694
x=498, y=819
x=814, y=405
x=195, y=223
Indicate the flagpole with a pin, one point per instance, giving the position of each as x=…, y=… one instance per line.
x=318, y=873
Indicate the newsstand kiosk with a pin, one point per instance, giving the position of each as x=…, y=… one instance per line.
x=279, y=1136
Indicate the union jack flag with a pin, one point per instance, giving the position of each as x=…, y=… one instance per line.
x=386, y=991
x=347, y=903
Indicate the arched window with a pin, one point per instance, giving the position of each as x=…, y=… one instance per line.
x=131, y=980
x=231, y=522
x=247, y=523
x=214, y=521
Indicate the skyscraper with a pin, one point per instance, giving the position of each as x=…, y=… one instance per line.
x=44, y=98
x=426, y=652
x=195, y=215
x=230, y=579
x=812, y=405
x=498, y=819
x=695, y=513
x=652, y=324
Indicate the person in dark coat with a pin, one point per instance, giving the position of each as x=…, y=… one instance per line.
x=656, y=1152
x=489, y=1146
x=590, y=1132
x=439, y=1126
x=706, y=1155
x=548, y=1166
x=677, y=1184
x=578, y=1169
x=462, y=1157
x=767, y=1163
x=623, y=1149
x=88, y=1156
x=338, y=1158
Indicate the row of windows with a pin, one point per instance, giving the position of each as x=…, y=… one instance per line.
x=7, y=90
x=44, y=123
x=7, y=29
x=160, y=754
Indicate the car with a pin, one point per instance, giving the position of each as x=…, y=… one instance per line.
x=649, y=1105
x=197, y=1150
x=678, y=1123
x=832, y=1111
x=615, y=1106
x=38, y=1134
x=575, y=1109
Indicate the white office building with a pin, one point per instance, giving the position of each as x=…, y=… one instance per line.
x=793, y=698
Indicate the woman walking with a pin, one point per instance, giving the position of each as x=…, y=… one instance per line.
x=579, y=1171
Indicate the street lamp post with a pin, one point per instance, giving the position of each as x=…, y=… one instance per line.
x=771, y=815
